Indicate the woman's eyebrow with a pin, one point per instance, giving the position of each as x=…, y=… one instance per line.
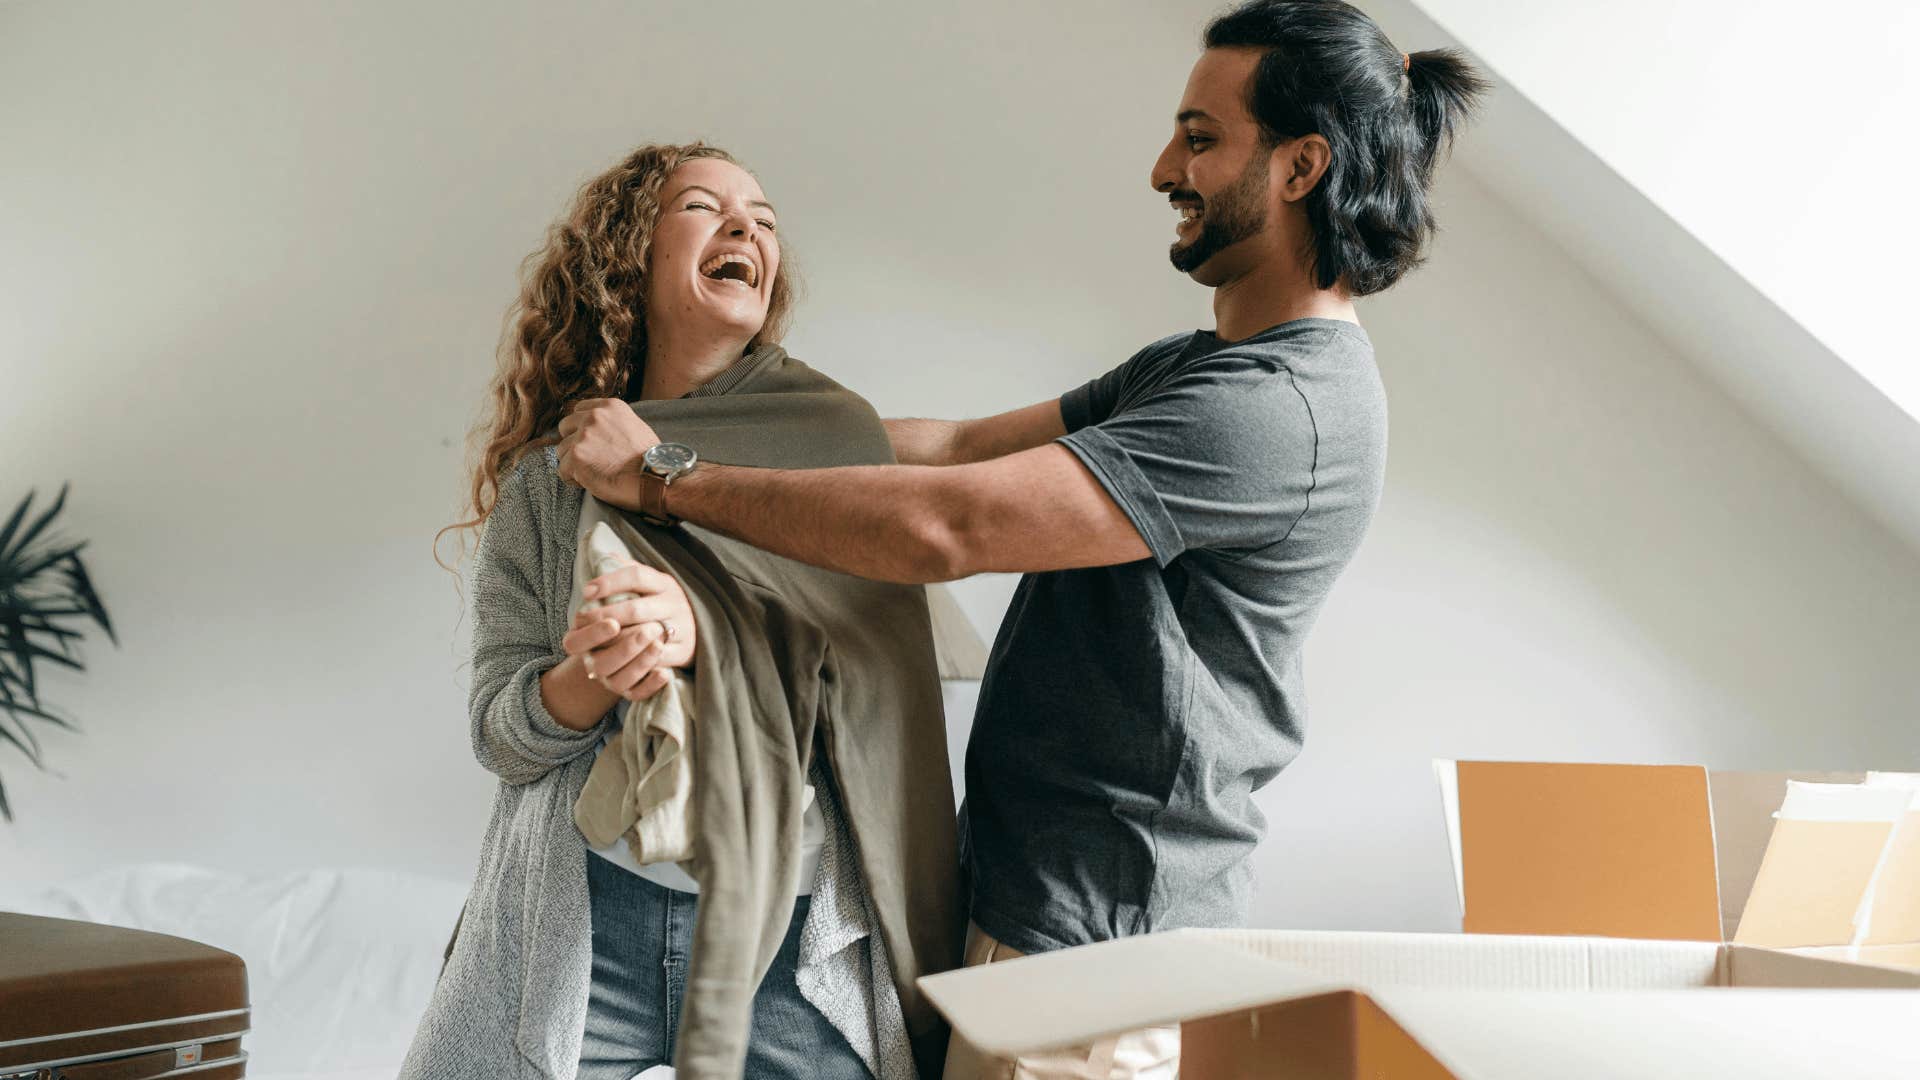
x=759, y=203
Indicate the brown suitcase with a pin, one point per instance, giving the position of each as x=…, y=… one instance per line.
x=90, y=1002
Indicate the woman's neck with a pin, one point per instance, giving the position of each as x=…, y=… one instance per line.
x=678, y=366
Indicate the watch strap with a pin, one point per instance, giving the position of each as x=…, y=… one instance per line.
x=653, y=499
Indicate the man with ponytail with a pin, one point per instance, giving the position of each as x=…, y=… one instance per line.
x=1180, y=520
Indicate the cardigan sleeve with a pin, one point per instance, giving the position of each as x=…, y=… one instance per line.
x=514, y=736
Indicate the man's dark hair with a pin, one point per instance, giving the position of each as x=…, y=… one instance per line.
x=1329, y=69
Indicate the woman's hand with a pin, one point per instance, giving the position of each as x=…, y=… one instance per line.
x=629, y=645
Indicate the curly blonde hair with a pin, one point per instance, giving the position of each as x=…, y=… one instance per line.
x=578, y=329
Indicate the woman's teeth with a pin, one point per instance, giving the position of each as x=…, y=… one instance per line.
x=731, y=267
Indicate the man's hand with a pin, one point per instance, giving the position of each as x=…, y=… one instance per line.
x=601, y=442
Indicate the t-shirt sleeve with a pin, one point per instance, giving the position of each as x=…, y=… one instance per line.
x=1093, y=402
x=1097, y=400
x=1219, y=457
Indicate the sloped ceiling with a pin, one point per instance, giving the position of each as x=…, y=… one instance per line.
x=1838, y=411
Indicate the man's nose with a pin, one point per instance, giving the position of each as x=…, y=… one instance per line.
x=1166, y=171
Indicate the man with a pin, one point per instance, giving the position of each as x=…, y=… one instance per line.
x=1180, y=520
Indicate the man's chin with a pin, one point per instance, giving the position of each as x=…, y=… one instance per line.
x=1193, y=263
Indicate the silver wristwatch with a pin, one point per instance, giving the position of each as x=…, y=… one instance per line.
x=660, y=466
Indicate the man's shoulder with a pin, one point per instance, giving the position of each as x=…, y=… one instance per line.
x=1170, y=345
x=1300, y=340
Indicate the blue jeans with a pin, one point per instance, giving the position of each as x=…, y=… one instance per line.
x=642, y=933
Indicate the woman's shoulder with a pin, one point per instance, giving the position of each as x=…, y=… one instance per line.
x=533, y=489
x=535, y=473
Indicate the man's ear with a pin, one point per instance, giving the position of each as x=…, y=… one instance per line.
x=1300, y=163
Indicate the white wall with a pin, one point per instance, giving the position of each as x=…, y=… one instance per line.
x=252, y=265
x=1778, y=132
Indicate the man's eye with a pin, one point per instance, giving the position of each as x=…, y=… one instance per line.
x=1196, y=141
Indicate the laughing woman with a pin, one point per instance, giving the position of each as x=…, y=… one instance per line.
x=665, y=287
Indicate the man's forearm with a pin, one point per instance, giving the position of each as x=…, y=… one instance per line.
x=880, y=522
x=924, y=442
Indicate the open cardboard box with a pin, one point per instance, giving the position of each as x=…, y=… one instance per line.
x=1592, y=952
x=1675, y=852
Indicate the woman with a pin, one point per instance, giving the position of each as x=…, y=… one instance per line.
x=665, y=283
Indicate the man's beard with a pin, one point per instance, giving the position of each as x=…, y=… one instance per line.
x=1228, y=218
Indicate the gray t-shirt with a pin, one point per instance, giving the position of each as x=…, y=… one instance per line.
x=1129, y=712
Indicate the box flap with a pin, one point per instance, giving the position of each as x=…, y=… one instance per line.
x=1835, y=967
x=1890, y=911
x=1743, y=808
x=1578, y=849
x=1827, y=841
x=1698, y=1034
x=1482, y=961
x=1334, y=1036
x=1076, y=996
x=1447, y=772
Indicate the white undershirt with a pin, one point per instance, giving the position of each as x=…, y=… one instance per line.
x=813, y=834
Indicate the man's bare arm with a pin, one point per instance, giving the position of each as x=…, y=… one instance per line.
x=964, y=442
x=1038, y=509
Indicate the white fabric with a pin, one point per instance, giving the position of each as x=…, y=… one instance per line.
x=641, y=784
x=671, y=875
x=634, y=808
x=844, y=970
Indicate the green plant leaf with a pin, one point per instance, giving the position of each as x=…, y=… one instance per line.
x=32, y=565
x=13, y=639
x=31, y=746
x=34, y=710
x=31, y=749
x=42, y=581
x=46, y=516
x=13, y=522
x=40, y=625
x=82, y=587
x=32, y=649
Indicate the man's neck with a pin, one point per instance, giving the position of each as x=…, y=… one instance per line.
x=678, y=366
x=1269, y=295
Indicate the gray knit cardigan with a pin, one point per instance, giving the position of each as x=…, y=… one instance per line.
x=512, y=1000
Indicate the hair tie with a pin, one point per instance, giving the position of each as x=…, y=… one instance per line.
x=1406, y=61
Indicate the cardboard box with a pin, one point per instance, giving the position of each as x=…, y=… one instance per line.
x=1677, y=852
x=1604, y=897
x=1333, y=1005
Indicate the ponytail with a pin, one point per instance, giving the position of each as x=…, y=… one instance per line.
x=1441, y=90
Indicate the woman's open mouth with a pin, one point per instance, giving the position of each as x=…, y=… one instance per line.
x=733, y=267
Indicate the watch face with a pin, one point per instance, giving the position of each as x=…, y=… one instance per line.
x=670, y=459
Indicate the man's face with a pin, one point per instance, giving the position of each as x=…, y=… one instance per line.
x=1216, y=171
